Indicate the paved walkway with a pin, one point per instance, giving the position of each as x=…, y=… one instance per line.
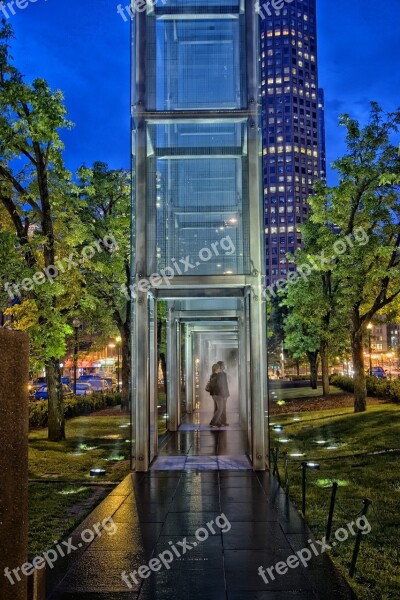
x=154, y=512
x=202, y=448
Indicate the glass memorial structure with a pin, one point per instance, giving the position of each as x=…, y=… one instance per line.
x=197, y=216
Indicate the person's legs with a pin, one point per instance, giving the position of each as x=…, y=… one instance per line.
x=216, y=421
x=212, y=422
x=223, y=415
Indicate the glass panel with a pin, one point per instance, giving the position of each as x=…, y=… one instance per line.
x=198, y=197
x=199, y=5
x=196, y=62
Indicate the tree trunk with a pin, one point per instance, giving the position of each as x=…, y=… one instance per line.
x=313, y=360
x=56, y=420
x=357, y=349
x=298, y=367
x=324, y=352
x=164, y=369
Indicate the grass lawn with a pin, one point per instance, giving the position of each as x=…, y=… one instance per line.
x=55, y=509
x=61, y=493
x=332, y=437
x=306, y=392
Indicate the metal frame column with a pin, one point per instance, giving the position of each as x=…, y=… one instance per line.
x=172, y=371
x=258, y=341
x=153, y=386
x=189, y=369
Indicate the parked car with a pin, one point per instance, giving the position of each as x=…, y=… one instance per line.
x=37, y=383
x=41, y=393
x=83, y=389
x=66, y=380
x=378, y=372
x=89, y=376
x=112, y=384
x=98, y=384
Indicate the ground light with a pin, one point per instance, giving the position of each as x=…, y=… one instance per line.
x=296, y=455
x=116, y=458
x=327, y=483
x=97, y=472
x=304, y=466
x=68, y=492
x=86, y=447
x=277, y=427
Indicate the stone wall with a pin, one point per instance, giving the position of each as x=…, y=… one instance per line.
x=14, y=372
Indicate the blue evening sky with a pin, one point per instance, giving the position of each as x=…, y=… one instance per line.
x=82, y=47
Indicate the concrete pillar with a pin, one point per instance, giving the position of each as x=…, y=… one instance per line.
x=14, y=372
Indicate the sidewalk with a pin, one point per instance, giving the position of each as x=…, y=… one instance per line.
x=151, y=510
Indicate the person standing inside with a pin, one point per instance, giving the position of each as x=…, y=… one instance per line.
x=213, y=390
x=223, y=391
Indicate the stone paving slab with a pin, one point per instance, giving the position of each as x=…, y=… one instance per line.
x=160, y=513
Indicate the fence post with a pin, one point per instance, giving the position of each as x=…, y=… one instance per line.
x=275, y=457
x=331, y=509
x=367, y=502
x=303, y=487
x=286, y=474
x=304, y=466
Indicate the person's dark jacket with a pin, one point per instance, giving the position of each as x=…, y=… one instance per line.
x=213, y=385
x=222, y=385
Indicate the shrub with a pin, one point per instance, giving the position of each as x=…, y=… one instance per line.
x=343, y=382
x=38, y=413
x=74, y=406
x=381, y=388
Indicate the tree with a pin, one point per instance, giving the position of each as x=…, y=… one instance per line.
x=106, y=200
x=33, y=189
x=364, y=210
x=276, y=313
x=302, y=337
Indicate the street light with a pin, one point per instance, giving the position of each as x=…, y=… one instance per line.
x=111, y=345
x=118, y=339
x=75, y=324
x=370, y=327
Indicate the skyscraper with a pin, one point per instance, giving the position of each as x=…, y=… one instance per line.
x=293, y=126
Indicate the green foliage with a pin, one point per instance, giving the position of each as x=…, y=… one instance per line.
x=375, y=477
x=343, y=382
x=377, y=387
x=106, y=199
x=356, y=226
x=73, y=407
x=38, y=208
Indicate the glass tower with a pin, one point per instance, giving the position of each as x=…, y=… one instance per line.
x=198, y=241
